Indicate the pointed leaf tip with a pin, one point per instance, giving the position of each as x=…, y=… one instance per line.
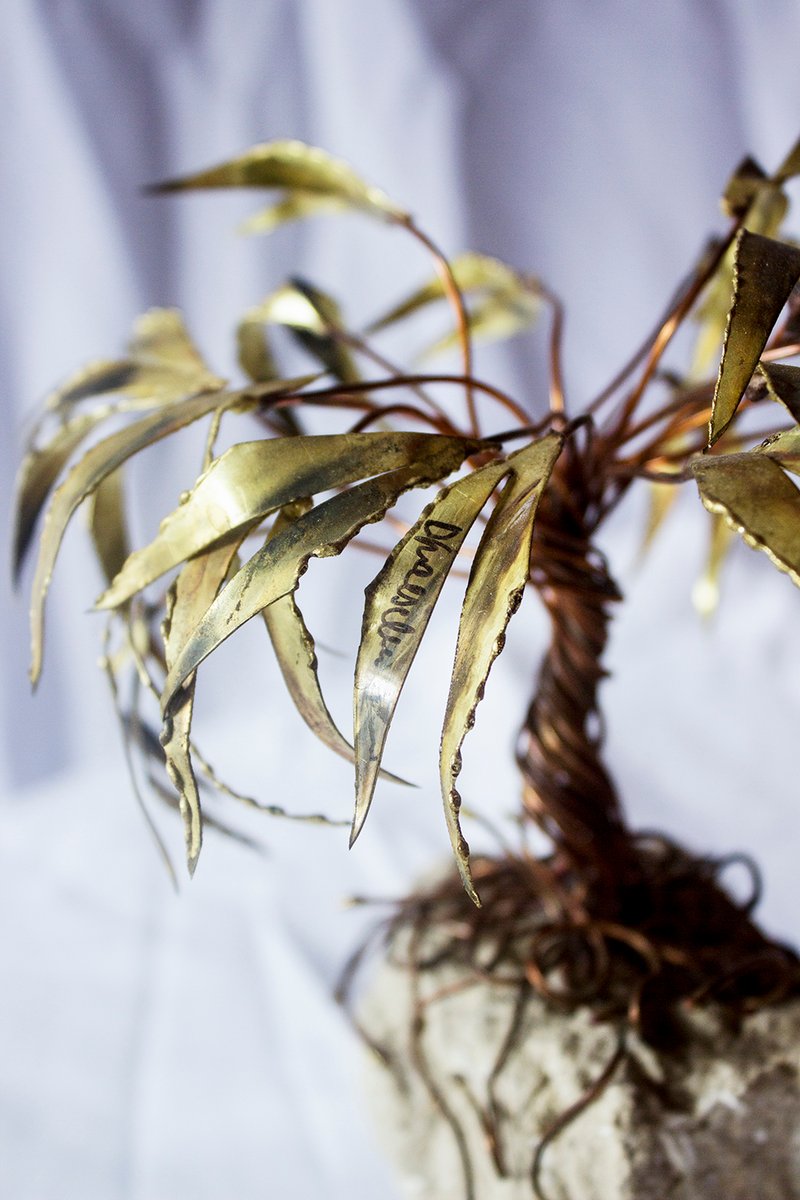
x=399, y=604
x=293, y=166
x=765, y=271
x=496, y=584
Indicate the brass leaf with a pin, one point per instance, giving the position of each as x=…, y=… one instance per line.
x=764, y=212
x=37, y=476
x=294, y=206
x=784, y=448
x=399, y=604
x=706, y=591
x=662, y=498
x=254, y=353
x=163, y=365
x=790, y=165
x=496, y=584
x=292, y=165
x=472, y=273
x=108, y=524
x=783, y=385
x=254, y=479
x=765, y=271
x=313, y=317
x=495, y=319
x=188, y=599
x=743, y=185
x=88, y=474
x=296, y=654
x=275, y=570
x=758, y=500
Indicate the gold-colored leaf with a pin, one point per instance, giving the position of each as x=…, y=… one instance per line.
x=399, y=604
x=765, y=211
x=101, y=377
x=496, y=584
x=87, y=474
x=254, y=354
x=758, y=500
x=783, y=385
x=294, y=206
x=784, y=448
x=275, y=570
x=296, y=654
x=108, y=525
x=37, y=476
x=497, y=318
x=294, y=166
x=163, y=365
x=254, y=479
x=314, y=318
x=472, y=273
x=742, y=187
x=188, y=599
x=790, y=165
x=662, y=499
x=706, y=591
x=765, y=271
x=160, y=336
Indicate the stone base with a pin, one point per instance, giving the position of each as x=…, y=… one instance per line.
x=720, y=1122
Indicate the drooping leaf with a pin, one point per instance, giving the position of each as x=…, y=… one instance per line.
x=297, y=167
x=37, y=476
x=188, y=599
x=87, y=474
x=706, y=590
x=784, y=448
x=497, y=318
x=758, y=500
x=497, y=580
x=662, y=499
x=312, y=316
x=160, y=336
x=399, y=604
x=765, y=272
x=742, y=187
x=790, y=165
x=253, y=349
x=275, y=570
x=294, y=206
x=472, y=273
x=296, y=654
x=108, y=525
x=163, y=365
x=133, y=733
x=254, y=479
x=783, y=385
x=764, y=213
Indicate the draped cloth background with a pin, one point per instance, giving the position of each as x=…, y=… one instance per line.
x=156, y=1045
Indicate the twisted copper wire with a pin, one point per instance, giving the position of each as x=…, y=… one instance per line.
x=567, y=789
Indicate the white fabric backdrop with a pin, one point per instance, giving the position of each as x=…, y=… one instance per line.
x=156, y=1046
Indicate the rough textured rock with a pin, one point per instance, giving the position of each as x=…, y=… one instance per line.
x=721, y=1122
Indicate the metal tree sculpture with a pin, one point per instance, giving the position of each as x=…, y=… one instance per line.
x=632, y=924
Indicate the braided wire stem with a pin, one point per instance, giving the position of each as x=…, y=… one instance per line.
x=567, y=790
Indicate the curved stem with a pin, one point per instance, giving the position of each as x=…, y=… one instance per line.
x=453, y=293
x=557, y=397
x=353, y=389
